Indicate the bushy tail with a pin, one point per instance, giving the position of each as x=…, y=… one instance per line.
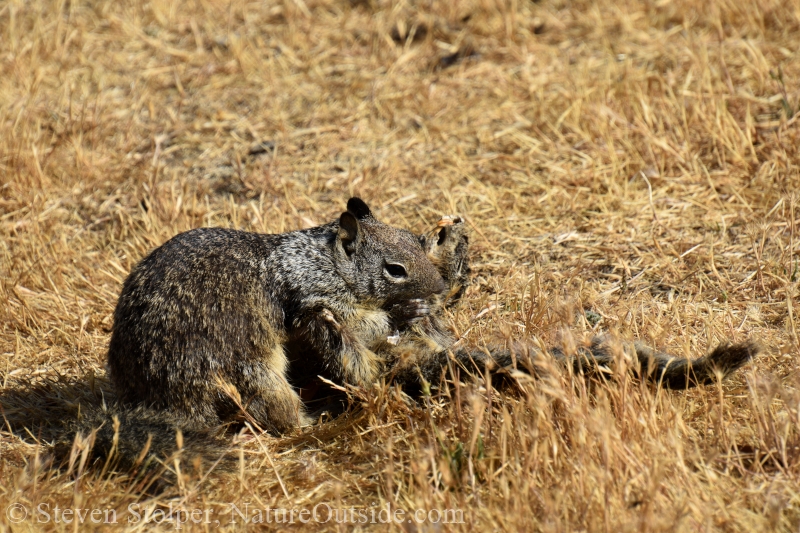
x=679, y=373
x=658, y=367
x=661, y=368
x=141, y=441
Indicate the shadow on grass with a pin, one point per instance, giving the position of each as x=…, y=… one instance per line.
x=48, y=409
x=80, y=428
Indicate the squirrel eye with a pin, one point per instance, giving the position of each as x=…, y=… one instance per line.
x=442, y=236
x=395, y=270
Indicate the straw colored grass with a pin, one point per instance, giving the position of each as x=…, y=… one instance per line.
x=624, y=166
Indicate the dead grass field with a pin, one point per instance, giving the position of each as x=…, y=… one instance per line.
x=624, y=166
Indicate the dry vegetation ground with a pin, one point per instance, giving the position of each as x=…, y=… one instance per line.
x=625, y=166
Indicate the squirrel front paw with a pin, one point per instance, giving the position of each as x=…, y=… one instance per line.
x=409, y=311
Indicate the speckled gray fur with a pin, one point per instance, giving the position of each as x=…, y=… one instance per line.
x=216, y=310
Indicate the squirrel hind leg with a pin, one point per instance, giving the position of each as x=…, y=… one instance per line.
x=272, y=402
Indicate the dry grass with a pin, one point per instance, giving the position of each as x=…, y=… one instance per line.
x=624, y=165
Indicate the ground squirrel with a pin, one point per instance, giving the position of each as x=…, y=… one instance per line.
x=215, y=321
x=421, y=355
x=261, y=313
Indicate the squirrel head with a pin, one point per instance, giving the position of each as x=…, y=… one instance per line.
x=447, y=247
x=381, y=263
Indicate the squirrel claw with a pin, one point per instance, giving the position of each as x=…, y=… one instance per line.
x=409, y=311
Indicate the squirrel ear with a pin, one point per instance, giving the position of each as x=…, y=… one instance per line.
x=349, y=232
x=358, y=208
